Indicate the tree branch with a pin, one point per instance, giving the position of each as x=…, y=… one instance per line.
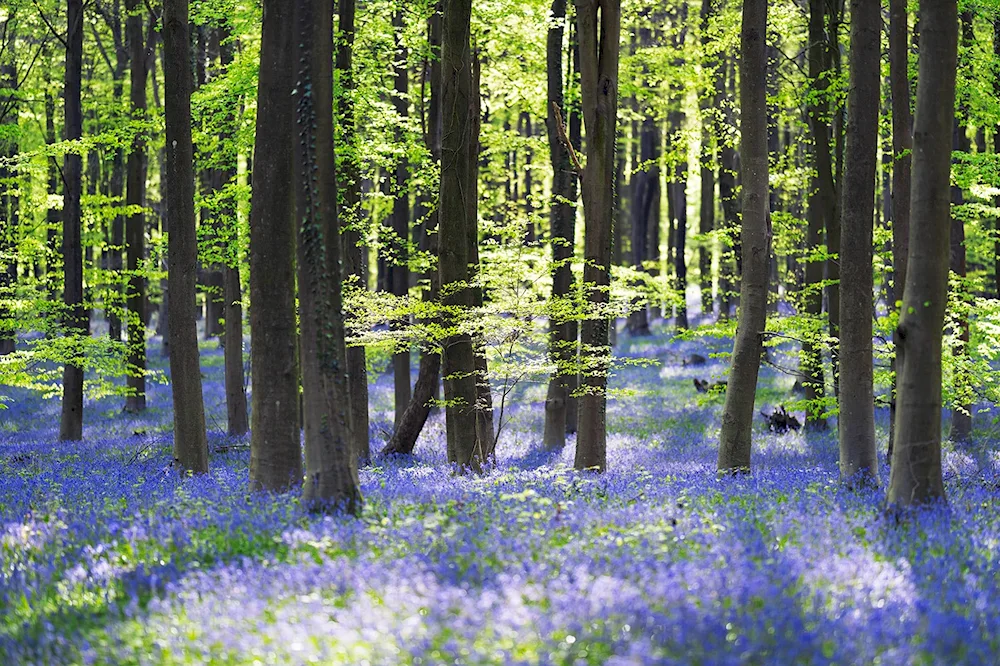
x=561, y=130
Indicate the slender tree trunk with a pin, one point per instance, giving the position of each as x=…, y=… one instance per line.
x=135, y=232
x=708, y=157
x=645, y=192
x=75, y=318
x=961, y=415
x=737, y=415
x=573, y=329
x=331, y=474
x=275, y=448
x=562, y=216
x=916, y=463
x=232, y=290
x=400, y=274
x=902, y=146
x=9, y=204
x=821, y=207
x=858, y=455
x=833, y=233
x=678, y=205
x=53, y=220
x=728, y=171
x=599, y=23
x=349, y=179
x=190, y=441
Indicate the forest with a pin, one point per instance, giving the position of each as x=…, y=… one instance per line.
x=499, y=332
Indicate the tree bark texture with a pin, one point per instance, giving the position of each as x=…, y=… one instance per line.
x=858, y=454
x=190, y=442
x=400, y=274
x=349, y=179
x=902, y=146
x=331, y=474
x=275, y=447
x=599, y=24
x=457, y=185
x=135, y=232
x=74, y=316
x=755, y=242
x=916, y=458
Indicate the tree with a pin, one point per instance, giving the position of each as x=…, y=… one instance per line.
x=820, y=208
x=349, y=178
x=599, y=25
x=190, y=440
x=902, y=145
x=135, y=232
x=408, y=428
x=74, y=317
x=331, y=474
x=275, y=449
x=398, y=271
x=457, y=181
x=562, y=221
x=916, y=458
x=755, y=242
x=858, y=455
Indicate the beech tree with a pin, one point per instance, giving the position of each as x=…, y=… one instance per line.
x=75, y=317
x=858, y=455
x=916, y=457
x=599, y=25
x=275, y=448
x=190, y=438
x=331, y=464
x=755, y=243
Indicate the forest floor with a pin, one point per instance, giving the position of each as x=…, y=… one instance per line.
x=107, y=557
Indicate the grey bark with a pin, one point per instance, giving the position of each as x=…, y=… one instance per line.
x=916, y=458
x=737, y=415
x=599, y=24
x=858, y=455
x=190, y=441
x=275, y=448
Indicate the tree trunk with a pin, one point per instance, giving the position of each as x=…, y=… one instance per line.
x=232, y=290
x=728, y=171
x=9, y=206
x=562, y=218
x=821, y=207
x=902, y=146
x=457, y=182
x=678, y=213
x=75, y=318
x=135, y=232
x=599, y=24
x=190, y=441
x=572, y=328
x=331, y=475
x=858, y=455
x=834, y=18
x=737, y=415
x=400, y=274
x=349, y=178
x=275, y=448
x=645, y=192
x=706, y=218
x=961, y=414
x=916, y=457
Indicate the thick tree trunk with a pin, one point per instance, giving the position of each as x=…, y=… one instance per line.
x=190, y=441
x=331, y=474
x=275, y=448
x=562, y=218
x=737, y=415
x=902, y=146
x=916, y=462
x=457, y=184
x=400, y=274
x=75, y=318
x=349, y=179
x=858, y=455
x=599, y=23
x=135, y=232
